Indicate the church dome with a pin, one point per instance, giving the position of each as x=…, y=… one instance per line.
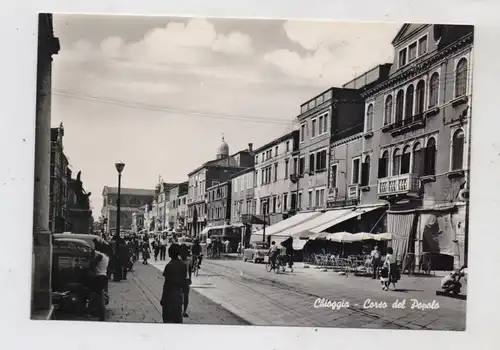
x=223, y=150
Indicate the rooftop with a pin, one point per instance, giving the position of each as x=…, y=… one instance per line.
x=128, y=191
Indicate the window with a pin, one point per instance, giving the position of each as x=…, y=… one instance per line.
x=274, y=204
x=287, y=146
x=321, y=160
x=369, y=118
x=422, y=45
x=457, y=149
x=418, y=160
x=430, y=157
x=420, y=98
x=295, y=166
x=275, y=172
x=388, y=110
x=433, y=90
x=310, y=200
x=396, y=162
x=461, y=78
x=317, y=199
x=286, y=167
x=405, y=160
x=321, y=197
x=285, y=201
x=409, y=102
x=325, y=123
x=276, y=151
x=320, y=125
x=333, y=183
x=311, y=162
x=299, y=201
x=302, y=132
x=301, y=165
x=402, y=57
x=355, y=171
x=365, y=172
x=263, y=157
x=413, y=51
x=313, y=128
x=399, y=105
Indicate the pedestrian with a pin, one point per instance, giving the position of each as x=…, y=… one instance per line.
x=156, y=248
x=188, y=261
x=226, y=244
x=376, y=261
x=145, y=252
x=163, y=247
x=123, y=259
x=239, y=249
x=100, y=281
x=390, y=269
x=175, y=279
x=289, y=255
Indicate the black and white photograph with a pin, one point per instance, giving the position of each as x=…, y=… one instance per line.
x=252, y=172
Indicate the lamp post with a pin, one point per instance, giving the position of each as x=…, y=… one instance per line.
x=119, y=167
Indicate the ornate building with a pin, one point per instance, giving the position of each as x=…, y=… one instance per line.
x=79, y=214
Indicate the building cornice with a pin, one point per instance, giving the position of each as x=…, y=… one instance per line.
x=347, y=140
x=420, y=66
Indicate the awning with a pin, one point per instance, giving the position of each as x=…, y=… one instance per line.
x=304, y=229
x=287, y=223
x=318, y=232
x=298, y=244
x=401, y=226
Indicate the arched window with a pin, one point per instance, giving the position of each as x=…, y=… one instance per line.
x=399, y=105
x=457, y=157
x=383, y=165
x=420, y=98
x=388, y=110
x=396, y=162
x=418, y=158
x=461, y=78
x=434, y=90
x=409, y=102
x=405, y=160
x=369, y=118
x=365, y=172
x=430, y=157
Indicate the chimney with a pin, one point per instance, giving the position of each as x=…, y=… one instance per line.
x=250, y=147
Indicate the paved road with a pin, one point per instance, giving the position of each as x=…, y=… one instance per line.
x=137, y=299
x=288, y=299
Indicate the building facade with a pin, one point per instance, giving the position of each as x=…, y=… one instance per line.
x=138, y=221
x=275, y=193
x=244, y=204
x=79, y=214
x=176, y=204
x=415, y=153
x=60, y=173
x=130, y=200
x=219, y=204
x=208, y=175
x=335, y=114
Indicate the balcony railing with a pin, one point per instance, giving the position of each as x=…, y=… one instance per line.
x=398, y=184
x=353, y=191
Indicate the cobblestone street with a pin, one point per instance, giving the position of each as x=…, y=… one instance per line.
x=264, y=298
x=138, y=300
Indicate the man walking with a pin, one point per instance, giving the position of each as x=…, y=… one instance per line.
x=184, y=254
x=376, y=261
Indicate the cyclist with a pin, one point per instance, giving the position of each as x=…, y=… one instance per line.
x=273, y=253
x=196, y=252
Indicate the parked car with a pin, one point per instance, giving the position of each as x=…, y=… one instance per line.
x=256, y=252
x=81, y=236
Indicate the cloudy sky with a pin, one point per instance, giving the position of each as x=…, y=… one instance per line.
x=158, y=93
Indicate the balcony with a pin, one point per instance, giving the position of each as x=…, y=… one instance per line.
x=414, y=122
x=353, y=191
x=404, y=184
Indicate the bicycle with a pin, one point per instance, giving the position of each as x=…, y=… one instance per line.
x=196, y=265
x=277, y=265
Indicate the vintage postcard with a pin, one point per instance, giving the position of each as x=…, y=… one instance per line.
x=252, y=172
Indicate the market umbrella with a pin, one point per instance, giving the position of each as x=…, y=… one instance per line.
x=321, y=235
x=363, y=236
x=342, y=237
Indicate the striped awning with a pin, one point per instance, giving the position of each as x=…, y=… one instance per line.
x=400, y=225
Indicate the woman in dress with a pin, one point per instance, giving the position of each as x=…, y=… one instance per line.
x=390, y=272
x=146, y=251
x=175, y=279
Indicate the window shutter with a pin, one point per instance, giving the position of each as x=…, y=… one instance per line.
x=365, y=171
x=311, y=162
x=430, y=160
x=382, y=163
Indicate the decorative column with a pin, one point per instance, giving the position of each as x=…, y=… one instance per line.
x=48, y=45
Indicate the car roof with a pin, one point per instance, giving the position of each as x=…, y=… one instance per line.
x=73, y=240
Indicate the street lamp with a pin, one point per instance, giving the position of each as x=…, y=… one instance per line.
x=119, y=167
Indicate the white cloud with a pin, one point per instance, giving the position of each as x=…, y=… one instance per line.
x=335, y=50
x=236, y=43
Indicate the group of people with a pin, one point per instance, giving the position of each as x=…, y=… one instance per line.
x=282, y=254
x=387, y=268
